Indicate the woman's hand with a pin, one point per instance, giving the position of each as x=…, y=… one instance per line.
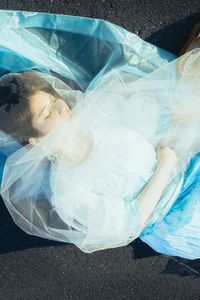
x=153, y=191
x=166, y=156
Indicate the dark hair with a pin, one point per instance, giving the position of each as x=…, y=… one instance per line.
x=16, y=88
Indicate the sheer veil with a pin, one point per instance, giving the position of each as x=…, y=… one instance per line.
x=32, y=172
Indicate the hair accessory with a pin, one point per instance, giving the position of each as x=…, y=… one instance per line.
x=8, y=92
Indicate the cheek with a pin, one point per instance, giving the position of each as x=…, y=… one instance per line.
x=46, y=126
x=49, y=123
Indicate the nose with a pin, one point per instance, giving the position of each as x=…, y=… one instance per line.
x=65, y=112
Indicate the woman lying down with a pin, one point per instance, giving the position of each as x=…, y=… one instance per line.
x=103, y=159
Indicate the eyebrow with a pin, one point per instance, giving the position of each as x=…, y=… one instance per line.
x=43, y=107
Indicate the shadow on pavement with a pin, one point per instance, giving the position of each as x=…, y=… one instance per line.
x=175, y=265
x=172, y=38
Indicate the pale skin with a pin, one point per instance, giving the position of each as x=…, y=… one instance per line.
x=153, y=191
x=57, y=108
x=43, y=120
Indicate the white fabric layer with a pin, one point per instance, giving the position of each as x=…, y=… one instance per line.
x=93, y=204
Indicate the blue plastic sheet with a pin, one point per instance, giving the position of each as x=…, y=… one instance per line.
x=84, y=50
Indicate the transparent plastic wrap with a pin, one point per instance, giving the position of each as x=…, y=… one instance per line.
x=111, y=99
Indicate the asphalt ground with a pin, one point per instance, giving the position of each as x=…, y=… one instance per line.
x=36, y=268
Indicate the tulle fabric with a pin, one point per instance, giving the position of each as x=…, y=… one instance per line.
x=96, y=217
x=80, y=183
x=164, y=94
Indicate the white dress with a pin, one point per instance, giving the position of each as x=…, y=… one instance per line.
x=100, y=195
x=99, y=201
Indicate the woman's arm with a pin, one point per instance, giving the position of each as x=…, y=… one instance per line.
x=152, y=192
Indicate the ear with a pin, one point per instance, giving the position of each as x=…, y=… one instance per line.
x=33, y=141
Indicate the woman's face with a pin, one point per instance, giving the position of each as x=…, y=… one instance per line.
x=45, y=110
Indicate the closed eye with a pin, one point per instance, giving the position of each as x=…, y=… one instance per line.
x=47, y=116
